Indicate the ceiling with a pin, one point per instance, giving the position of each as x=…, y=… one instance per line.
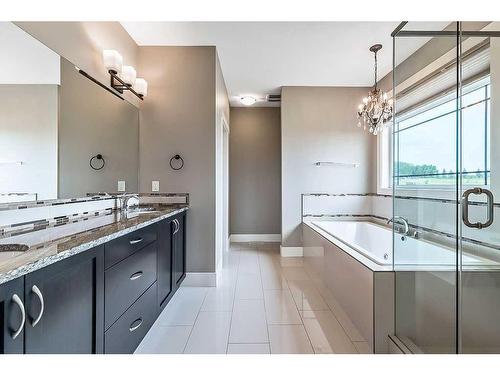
x=258, y=58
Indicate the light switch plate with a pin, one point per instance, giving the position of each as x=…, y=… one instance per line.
x=121, y=185
x=155, y=185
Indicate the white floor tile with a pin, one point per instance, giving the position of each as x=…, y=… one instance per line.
x=249, y=322
x=219, y=299
x=362, y=347
x=249, y=286
x=274, y=282
x=306, y=296
x=326, y=333
x=164, y=340
x=248, y=349
x=289, y=339
x=280, y=307
x=210, y=333
x=295, y=273
x=183, y=308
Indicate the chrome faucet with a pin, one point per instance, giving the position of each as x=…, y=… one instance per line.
x=124, y=200
x=401, y=220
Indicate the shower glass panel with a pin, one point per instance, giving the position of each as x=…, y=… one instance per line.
x=446, y=186
x=425, y=186
x=479, y=245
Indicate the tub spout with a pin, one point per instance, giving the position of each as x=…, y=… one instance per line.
x=402, y=220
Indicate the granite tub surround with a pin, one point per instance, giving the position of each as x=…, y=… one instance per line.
x=45, y=249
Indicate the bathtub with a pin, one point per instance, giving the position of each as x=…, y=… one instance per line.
x=371, y=244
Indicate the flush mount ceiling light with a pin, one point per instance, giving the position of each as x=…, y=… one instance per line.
x=376, y=110
x=123, y=77
x=248, y=100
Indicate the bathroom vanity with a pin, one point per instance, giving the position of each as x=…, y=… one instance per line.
x=97, y=291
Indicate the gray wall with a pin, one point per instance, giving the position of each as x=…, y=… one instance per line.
x=82, y=44
x=28, y=133
x=179, y=117
x=255, y=171
x=319, y=124
x=93, y=121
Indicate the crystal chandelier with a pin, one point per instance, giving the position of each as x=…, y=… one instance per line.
x=376, y=110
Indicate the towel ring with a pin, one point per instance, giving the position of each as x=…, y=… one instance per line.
x=97, y=157
x=180, y=160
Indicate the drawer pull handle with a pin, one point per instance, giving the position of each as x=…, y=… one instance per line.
x=19, y=303
x=136, y=275
x=135, y=324
x=133, y=242
x=36, y=291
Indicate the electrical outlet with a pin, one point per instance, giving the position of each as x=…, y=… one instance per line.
x=155, y=185
x=121, y=185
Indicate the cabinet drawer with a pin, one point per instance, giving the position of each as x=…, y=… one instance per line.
x=127, y=280
x=122, y=247
x=125, y=335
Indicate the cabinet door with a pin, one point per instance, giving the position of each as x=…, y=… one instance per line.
x=65, y=305
x=180, y=250
x=11, y=316
x=165, y=230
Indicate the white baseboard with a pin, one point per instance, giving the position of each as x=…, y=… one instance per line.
x=200, y=279
x=255, y=238
x=291, y=251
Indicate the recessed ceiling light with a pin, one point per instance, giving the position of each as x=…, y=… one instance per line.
x=248, y=100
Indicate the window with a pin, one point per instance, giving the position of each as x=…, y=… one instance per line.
x=425, y=140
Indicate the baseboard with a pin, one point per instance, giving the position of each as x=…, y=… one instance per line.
x=255, y=238
x=200, y=279
x=291, y=251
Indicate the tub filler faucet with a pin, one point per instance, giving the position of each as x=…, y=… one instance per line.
x=402, y=220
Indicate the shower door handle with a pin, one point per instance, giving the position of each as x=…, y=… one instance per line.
x=465, y=207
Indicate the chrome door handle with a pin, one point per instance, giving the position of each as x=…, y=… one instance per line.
x=177, y=226
x=135, y=324
x=20, y=304
x=133, y=242
x=37, y=292
x=465, y=207
x=136, y=275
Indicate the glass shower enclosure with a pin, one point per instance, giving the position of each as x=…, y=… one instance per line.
x=446, y=186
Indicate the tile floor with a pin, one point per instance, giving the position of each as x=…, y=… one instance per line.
x=263, y=304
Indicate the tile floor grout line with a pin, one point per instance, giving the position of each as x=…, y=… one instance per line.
x=265, y=309
x=196, y=319
x=234, y=299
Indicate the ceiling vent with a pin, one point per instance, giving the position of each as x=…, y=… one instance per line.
x=273, y=98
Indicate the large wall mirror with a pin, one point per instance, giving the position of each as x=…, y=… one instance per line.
x=53, y=121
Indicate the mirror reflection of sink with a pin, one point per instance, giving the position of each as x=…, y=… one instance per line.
x=8, y=251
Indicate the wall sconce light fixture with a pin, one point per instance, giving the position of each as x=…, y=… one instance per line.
x=123, y=77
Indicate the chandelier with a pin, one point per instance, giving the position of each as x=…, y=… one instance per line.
x=376, y=110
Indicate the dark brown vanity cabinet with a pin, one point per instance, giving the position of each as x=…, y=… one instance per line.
x=103, y=300
x=56, y=309
x=65, y=305
x=179, y=249
x=12, y=316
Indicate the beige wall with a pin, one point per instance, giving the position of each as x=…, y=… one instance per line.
x=178, y=117
x=82, y=44
x=28, y=133
x=255, y=171
x=92, y=121
x=319, y=124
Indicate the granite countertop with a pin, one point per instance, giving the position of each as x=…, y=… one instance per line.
x=45, y=247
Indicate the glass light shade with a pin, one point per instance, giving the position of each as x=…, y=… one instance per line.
x=141, y=86
x=248, y=100
x=128, y=74
x=112, y=60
